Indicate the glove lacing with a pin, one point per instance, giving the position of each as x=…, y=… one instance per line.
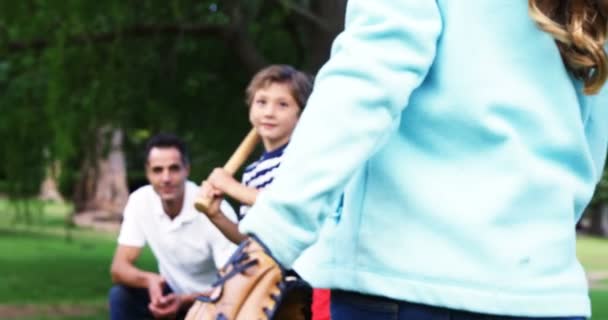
x=240, y=261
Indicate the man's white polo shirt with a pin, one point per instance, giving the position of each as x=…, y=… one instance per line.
x=189, y=249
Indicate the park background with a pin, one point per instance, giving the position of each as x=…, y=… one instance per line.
x=84, y=83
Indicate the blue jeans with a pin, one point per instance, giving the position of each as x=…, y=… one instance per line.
x=354, y=306
x=127, y=303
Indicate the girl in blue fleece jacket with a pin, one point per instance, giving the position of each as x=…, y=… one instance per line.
x=468, y=137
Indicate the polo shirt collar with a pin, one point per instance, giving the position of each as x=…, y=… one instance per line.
x=186, y=215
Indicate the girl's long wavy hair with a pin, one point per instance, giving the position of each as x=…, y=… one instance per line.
x=580, y=28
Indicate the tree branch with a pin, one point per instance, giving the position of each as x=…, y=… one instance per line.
x=305, y=14
x=137, y=31
x=246, y=50
x=239, y=39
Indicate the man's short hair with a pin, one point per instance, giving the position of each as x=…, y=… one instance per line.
x=300, y=83
x=168, y=140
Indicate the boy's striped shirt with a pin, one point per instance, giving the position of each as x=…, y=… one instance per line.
x=261, y=173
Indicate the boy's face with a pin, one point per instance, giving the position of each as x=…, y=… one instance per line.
x=274, y=113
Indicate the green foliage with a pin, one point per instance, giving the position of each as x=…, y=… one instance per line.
x=85, y=65
x=70, y=69
x=48, y=214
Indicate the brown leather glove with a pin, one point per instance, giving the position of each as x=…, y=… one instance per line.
x=252, y=285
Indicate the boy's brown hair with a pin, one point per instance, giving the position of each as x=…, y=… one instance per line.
x=300, y=84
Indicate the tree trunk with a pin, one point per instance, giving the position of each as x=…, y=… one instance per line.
x=599, y=220
x=49, y=190
x=102, y=188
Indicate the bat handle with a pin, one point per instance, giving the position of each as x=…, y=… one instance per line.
x=242, y=152
x=202, y=203
x=232, y=165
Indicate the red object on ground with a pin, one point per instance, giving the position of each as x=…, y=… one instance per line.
x=320, y=304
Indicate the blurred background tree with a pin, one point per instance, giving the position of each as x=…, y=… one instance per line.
x=83, y=84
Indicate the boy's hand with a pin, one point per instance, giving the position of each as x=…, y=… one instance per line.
x=222, y=180
x=208, y=191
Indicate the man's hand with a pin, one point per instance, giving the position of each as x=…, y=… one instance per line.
x=155, y=284
x=166, y=307
x=161, y=306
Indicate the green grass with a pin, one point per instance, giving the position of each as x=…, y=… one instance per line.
x=40, y=267
x=96, y=313
x=46, y=268
x=599, y=304
x=102, y=315
x=603, y=283
x=593, y=253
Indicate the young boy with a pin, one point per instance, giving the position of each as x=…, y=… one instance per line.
x=276, y=97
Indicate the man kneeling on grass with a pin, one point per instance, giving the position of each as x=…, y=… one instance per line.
x=188, y=247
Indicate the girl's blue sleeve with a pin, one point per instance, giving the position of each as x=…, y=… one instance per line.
x=383, y=54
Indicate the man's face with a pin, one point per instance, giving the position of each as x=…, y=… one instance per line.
x=167, y=173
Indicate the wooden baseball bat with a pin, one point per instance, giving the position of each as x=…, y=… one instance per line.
x=233, y=164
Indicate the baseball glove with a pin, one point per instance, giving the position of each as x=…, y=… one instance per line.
x=253, y=286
